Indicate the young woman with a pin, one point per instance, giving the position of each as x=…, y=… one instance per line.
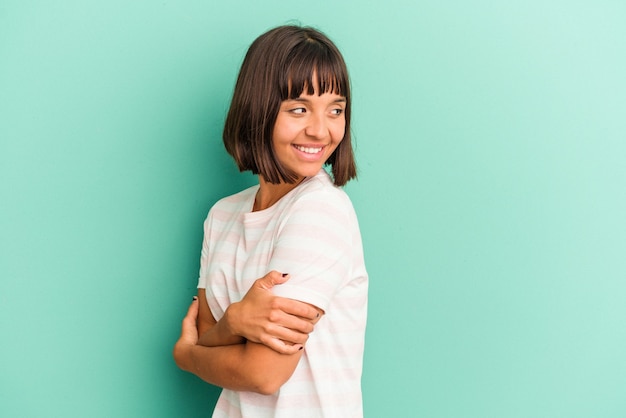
x=297, y=231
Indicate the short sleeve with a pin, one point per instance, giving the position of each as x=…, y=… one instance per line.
x=314, y=245
x=204, y=255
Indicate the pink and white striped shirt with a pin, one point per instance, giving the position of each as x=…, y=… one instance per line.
x=311, y=233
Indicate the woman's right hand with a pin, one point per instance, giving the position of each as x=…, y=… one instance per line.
x=279, y=323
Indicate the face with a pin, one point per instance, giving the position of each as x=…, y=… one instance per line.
x=308, y=129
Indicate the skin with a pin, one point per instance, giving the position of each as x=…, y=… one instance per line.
x=258, y=342
x=246, y=366
x=309, y=121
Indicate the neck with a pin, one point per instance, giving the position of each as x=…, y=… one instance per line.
x=270, y=193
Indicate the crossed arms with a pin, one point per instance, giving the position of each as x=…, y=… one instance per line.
x=255, y=346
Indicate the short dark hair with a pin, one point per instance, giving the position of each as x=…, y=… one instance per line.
x=278, y=66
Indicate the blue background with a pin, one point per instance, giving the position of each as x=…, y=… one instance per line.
x=491, y=195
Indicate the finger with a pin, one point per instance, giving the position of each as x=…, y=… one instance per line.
x=297, y=308
x=192, y=312
x=288, y=335
x=282, y=347
x=272, y=279
x=294, y=323
x=293, y=337
x=189, y=332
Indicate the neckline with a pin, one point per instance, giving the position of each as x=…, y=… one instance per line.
x=279, y=200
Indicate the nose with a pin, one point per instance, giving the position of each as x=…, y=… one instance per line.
x=317, y=127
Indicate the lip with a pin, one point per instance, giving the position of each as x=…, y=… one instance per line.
x=308, y=156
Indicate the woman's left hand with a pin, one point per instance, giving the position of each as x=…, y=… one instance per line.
x=188, y=336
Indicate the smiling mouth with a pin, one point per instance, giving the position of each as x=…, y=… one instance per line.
x=308, y=150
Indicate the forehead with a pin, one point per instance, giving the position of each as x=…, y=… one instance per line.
x=316, y=79
x=326, y=98
x=314, y=87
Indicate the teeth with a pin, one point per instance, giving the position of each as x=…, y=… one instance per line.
x=308, y=150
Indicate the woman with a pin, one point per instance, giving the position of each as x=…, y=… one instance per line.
x=289, y=117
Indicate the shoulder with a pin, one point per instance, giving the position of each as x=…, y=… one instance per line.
x=321, y=188
x=230, y=209
x=235, y=202
x=319, y=198
x=238, y=198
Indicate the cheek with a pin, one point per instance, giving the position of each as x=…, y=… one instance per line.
x=284, y=132
x=338, y=131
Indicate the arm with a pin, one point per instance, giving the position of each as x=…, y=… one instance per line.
x=213, y=333
x=279, y=323
x=243, y=367
x=316, y=246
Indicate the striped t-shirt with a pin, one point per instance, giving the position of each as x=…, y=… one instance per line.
x=311, y=233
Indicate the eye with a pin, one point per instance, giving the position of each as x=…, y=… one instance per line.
x=298, y=111
x=336, y=112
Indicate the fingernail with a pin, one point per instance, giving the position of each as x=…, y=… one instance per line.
x=285, y=274
x=195, y=298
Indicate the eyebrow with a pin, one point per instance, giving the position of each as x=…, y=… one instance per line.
x=300, y=99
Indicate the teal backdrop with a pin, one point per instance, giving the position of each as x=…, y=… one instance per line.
x=491, y=196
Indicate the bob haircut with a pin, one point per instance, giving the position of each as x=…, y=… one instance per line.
x=280, y=65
